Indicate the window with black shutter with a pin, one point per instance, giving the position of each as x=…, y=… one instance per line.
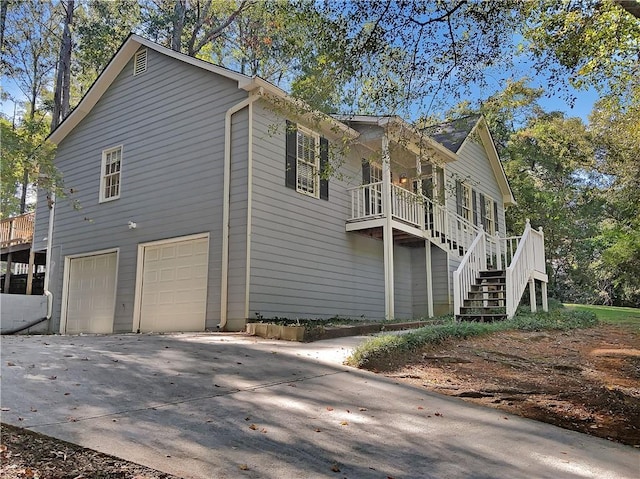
x=307, y=161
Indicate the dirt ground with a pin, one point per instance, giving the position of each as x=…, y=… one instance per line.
x=28, y=455
x=585, y=380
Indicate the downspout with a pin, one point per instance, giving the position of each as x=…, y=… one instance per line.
x=226, y=199
x=47, y=275
x=47, y=267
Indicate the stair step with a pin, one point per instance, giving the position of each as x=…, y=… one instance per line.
x=483, y=318
x=480, y=303
x=484, y=288
x=482, y=310
x=490, y=294
x=492, y=273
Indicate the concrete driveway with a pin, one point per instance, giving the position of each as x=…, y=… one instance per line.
x=207, y=405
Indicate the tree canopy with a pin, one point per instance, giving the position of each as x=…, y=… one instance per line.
x=423, y=60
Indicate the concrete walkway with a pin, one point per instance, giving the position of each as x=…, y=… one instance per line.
x=229, y=406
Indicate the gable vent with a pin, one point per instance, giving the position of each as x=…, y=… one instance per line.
x=140, y=62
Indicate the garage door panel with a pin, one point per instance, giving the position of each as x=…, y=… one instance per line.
x=91, y=294
x=174, y=286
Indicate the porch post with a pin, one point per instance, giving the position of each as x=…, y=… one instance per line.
x=387, y=230
x=427, y=248
x=532, y=295
x=545, y=303
x=7, y=275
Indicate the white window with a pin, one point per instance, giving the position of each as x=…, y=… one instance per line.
x=308, y=162
x=140, y=62
x=467, y=203
x=488, y=215
x=110, y=176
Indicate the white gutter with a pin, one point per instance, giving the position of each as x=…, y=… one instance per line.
x=226, y=199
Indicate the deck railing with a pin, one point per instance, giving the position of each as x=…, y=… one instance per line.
x=16, y=230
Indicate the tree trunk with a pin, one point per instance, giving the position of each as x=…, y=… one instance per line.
x=3, y=20
x=62, y=92
x=178, y=24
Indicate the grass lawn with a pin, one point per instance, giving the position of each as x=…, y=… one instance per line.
x=611, y=314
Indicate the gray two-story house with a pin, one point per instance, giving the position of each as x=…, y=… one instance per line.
x=201, y=198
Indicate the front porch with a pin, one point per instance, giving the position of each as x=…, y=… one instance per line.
x=413, y=220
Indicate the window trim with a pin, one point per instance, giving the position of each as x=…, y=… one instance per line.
x=466, y=207
x=103, y=175
x=316, y=166
x=488, y=215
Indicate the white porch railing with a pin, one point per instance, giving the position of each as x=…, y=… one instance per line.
x=474, y=261
x=448, y=229
x=407, y=206
x=366, y=201
x=527, y=263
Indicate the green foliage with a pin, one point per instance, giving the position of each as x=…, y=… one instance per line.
x=594, y=43
x=24, y=152
x=387, y=349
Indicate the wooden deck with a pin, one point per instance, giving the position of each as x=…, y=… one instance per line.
x=17, y=230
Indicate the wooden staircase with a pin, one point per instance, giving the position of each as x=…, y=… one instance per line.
x=486, y=300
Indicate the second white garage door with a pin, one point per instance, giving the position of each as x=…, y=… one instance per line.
x=174, y=286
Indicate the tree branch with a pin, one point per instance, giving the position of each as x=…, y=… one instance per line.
x=216, y=32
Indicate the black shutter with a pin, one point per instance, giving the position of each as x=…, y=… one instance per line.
x=324, y=169
x=483, y=207
x=474, y=196
x=291, y=155
x=495, y=216
x=459, y=197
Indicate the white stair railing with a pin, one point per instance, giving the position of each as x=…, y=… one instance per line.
x=474, y=261
x=527, y=263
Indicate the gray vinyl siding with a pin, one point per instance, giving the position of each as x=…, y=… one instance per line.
x=170, y=121
x=303, y=263
x=440, y=272
x=474, y=168
x=419, y=283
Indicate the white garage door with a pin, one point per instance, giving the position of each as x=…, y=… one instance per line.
x=174, y=286
x=91, y=294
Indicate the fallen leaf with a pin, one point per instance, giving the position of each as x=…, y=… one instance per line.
x=247, y=418
x=317, y=430
x=437, y=414
x=263, y=431
x=33, y=409
x=72, y=419
x=253, y=427
x=420, y=407
x=67, y=394
x=53, y=377
x=329, y=408
x=5, y=409
x=9, y=363
x=344, y=423
x=243, y=467
x=335, y=468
